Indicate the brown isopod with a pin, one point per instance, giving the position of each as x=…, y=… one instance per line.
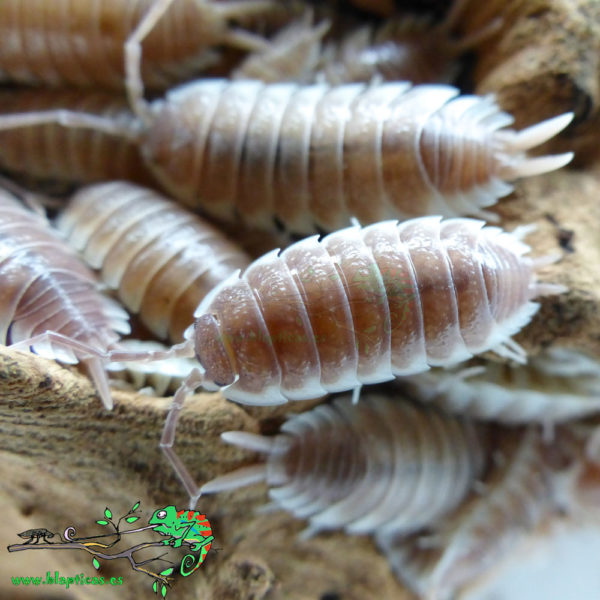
x=50, y=301
x=162, y=259
x=384, y=466
x=49, y=151
x=516, y=495
x=359, y=306
x=81, y=42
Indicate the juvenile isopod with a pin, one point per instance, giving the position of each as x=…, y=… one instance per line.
x=515, y=496
x=48, y=151
x=360, y=306
x=81, y=43
x=555, y=386
x=50, y=301
x=161, y=259
x=383, y=466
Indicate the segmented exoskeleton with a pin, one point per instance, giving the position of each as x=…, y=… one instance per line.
x=359, y=306
x=383, y=466
x=161, y=259
x=80, y=42
x=50, y=301
x=554, y=386
x=516, y=496
x=83, y=155
x=319, y=155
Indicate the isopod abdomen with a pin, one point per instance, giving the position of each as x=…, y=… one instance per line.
x=363, y=306
x=319, y=155
x=50, y=300
x=382, y=466
x=162, y=259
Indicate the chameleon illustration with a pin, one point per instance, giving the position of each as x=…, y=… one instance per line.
x=37, y=534
x=184, y=526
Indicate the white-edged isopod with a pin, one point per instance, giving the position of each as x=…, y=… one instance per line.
x=381, y=466
x=81, y=42
x=542, y=391
x=362, y=305
x=516, y=495
x=316, y=156
x=49, y=298
x=48, y=151
x=161, y=259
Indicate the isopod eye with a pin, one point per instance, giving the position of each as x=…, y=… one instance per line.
x=161, y=514
x=211, y=351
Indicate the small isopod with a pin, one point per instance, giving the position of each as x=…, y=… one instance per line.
x=81, y=43
x=49, y=151
x=360, y=306
x=517, y=494
x=542, y=391
x=383, y=466
x=161, y=259
x=50, y=301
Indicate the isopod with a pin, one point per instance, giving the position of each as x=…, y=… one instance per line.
x=81, y=43
x=50, y=301
x=382, y=466
x=543, y=391
x=360, y=306
x=49, y=151
x=161, y=259
x=517, y=494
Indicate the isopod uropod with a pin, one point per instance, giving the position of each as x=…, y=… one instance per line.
x=50, y=301
x=160, y=258
x=383, y=466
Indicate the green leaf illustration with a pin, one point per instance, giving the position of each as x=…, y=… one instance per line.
x=107, y=513
x=167, y=572
x=131, y=519
x=102, y=522
x=135, y=506
x=95, y=563
x=163, y=590
x=155, y=587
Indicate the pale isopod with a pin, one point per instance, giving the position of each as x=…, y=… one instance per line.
x=542, y=391
x=49, y=151
x=49, y=298
x=382, y=466
x=161, y=259
x=516, y=496
x=81, y=43
x=360, y=306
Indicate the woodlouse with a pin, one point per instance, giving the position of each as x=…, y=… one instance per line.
x=382, y=466
x=359, y=306
x=161, y=259
x=48, y=151
x=50, y=301
x=518, y=494
x=81, y=43
x=554, y=386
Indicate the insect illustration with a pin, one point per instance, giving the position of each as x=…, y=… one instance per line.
x=184, y=527
x=48, y=151
x=381, y=466
x=331, y=315
x=543, y=391
x=160, y=258
x=38, y=534
x=50, y=301
x=81, y=43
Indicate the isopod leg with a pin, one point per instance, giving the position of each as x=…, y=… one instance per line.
x=133, y=58
x=182, y=350
x=167, y=440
